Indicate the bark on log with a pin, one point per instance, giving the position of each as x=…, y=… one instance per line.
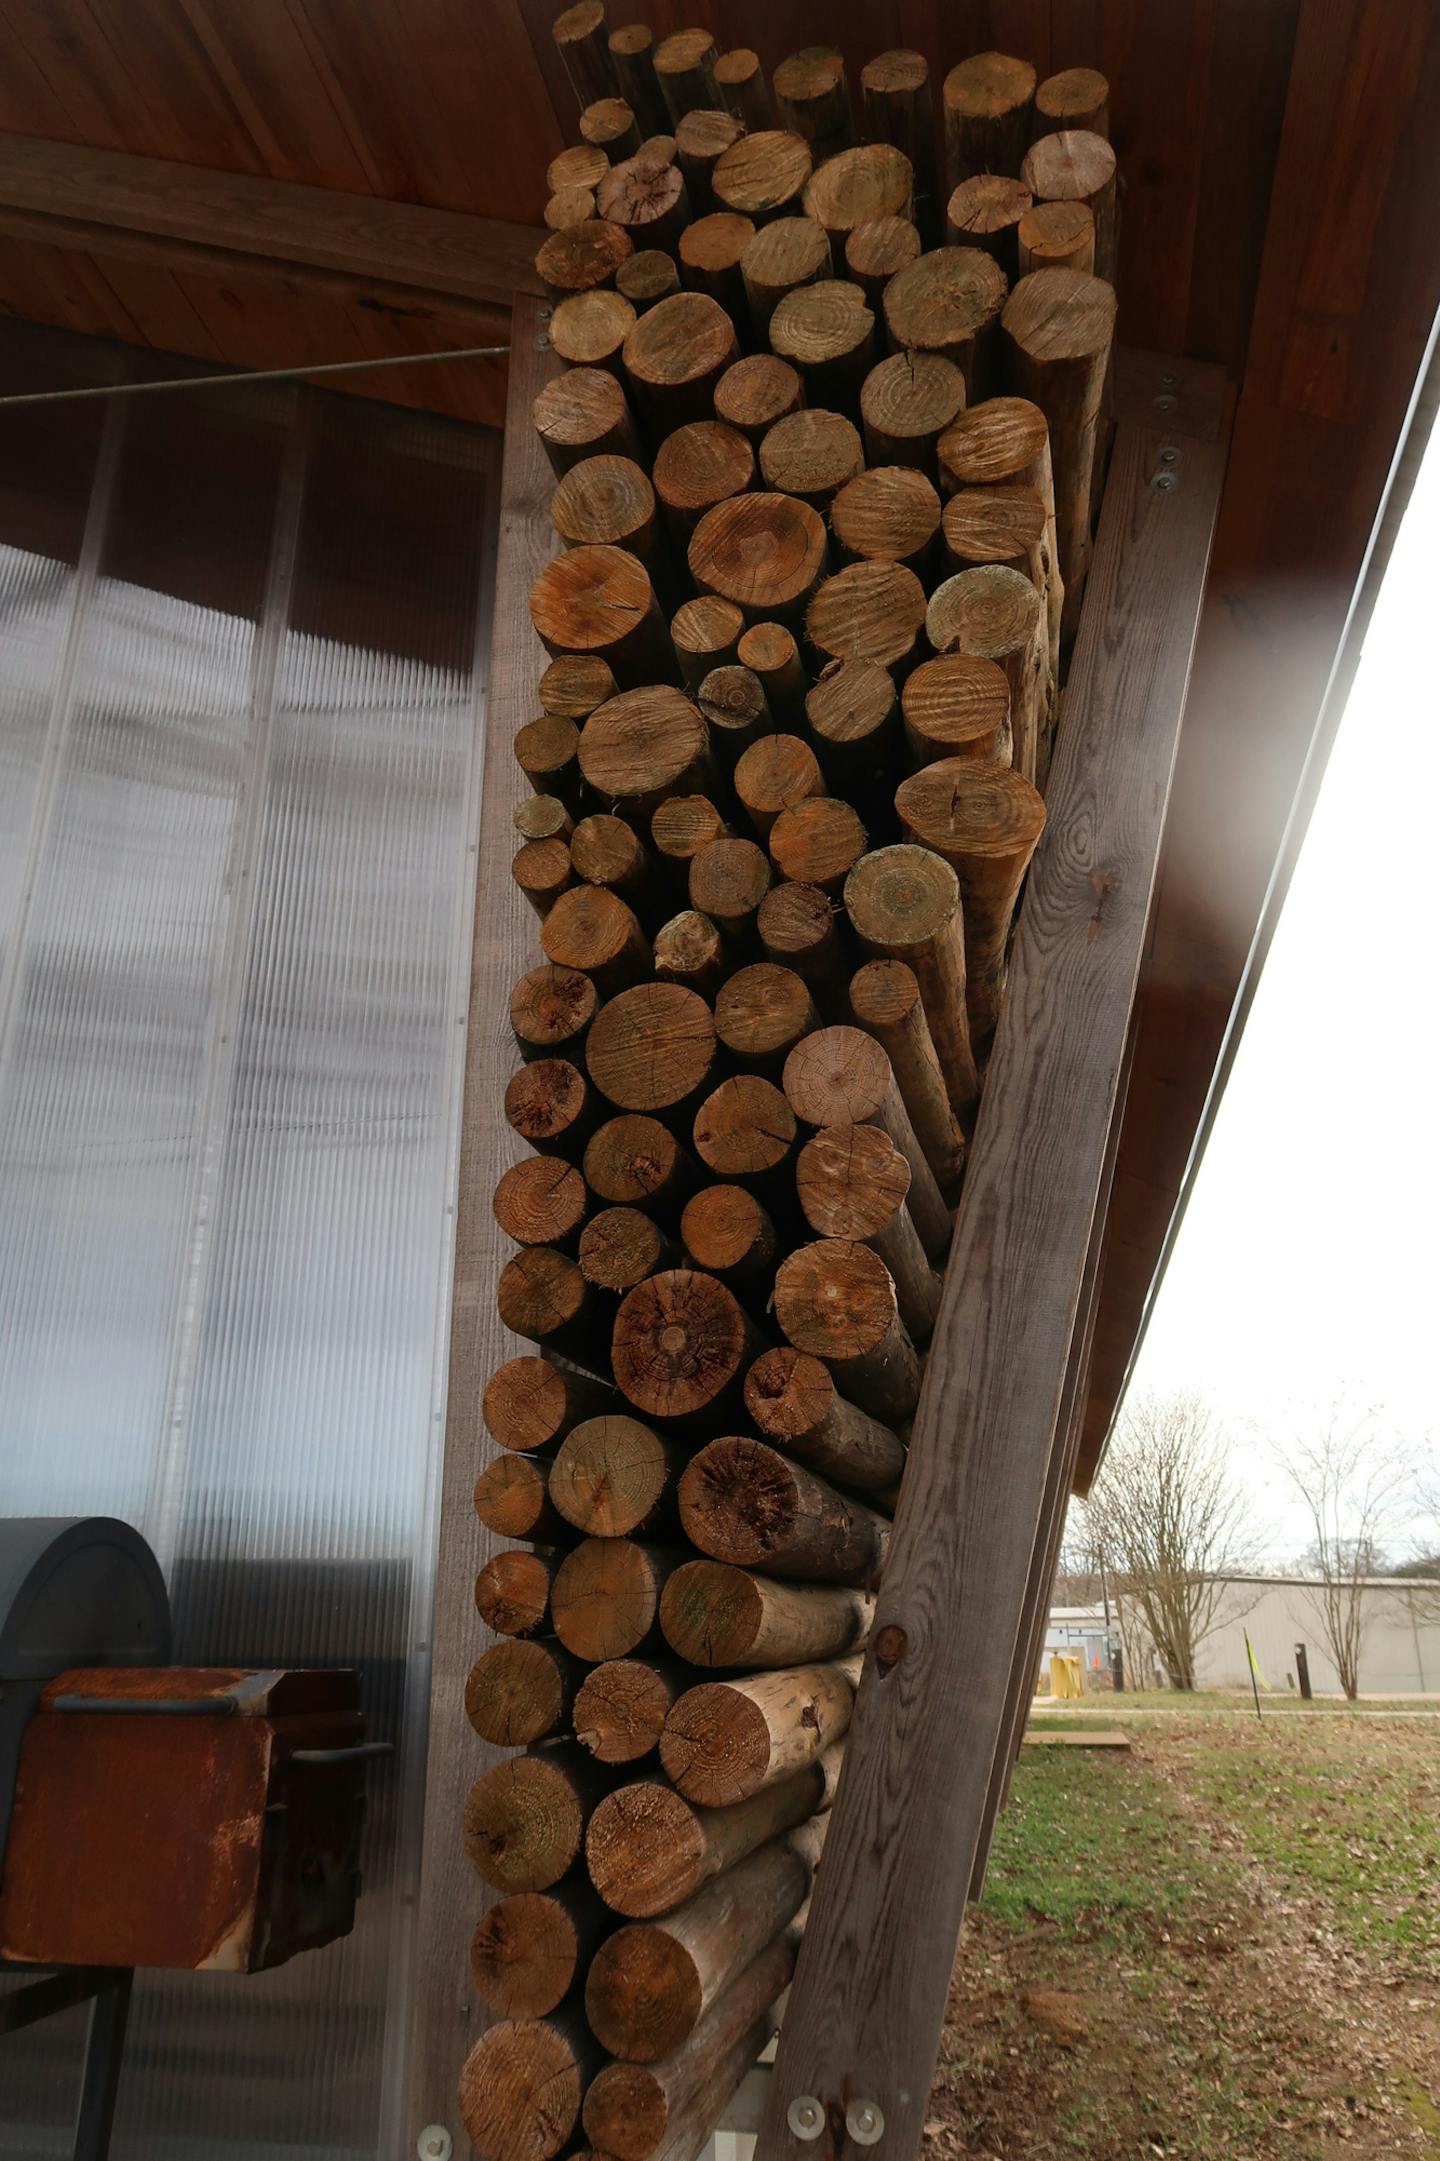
x=1005, y=443
x=572, y=686
x=610, y=124
x=989, y=103
x=542, y=1296
x=996, y=614
x=620, y=1247
x=889, y=515
x=1075, y=166
x=528, y=1403
x=710, y=252
x=701, y=139
x=740, y=80
x=755, y=392
x=517, y=1692
x=841, y=1076
x=827, y=331
x=541, y=1202
x=685, y=71
x=582, y=256
x=1058, y=327
x=612, y=1476
x=763, y=1011
x=772, y=774
x=662, y=2111
x=648, y=1849
x=895, y=108
x=985, y=821
x=819, y=842
x=852, y=1182
x=567, y=207
x=794, y=1401
x=813, y=99
x=604, y=850
x=742, y=1502
x=599, y=601
x=852, y=714
x=704, y=633
x=797, y=928
x=580, y=37
x=733, y=702
x=770, y=650
x=904, y=904
x=697, y=467
x=548, y=1104
x=651, y=1048
x=764, y=552
x=512, y=1592
x=644, y=745
x=745, y=1131
x=725, y=1740
x=763, y=176
x=681, y=1343
x=606, y=500
x=524, y=1820
x=542, y=871
x=1056, y=236
x=605, y=1600
x=674, y=357
x=635, y=1161
x=648, y=277
x=716, y=1615
x=690, y=950
x=870, y=611
x=985, y=212
x=531, y=1949
x=680, y=828
x=651, y=1982
x=522, y=2083
x=583, y=414
x=885, y=999
x=856, y=186
x=786, y=254
x=875, y=251
x=837, y=1300
x=546, y=752
x=1075, y=98
x=621, y=1709
x=907, y=403
x=583, y=165
x=811, y=454
x=949, y=302
x=632, y=55
x=726, y=1233
x=592, y=929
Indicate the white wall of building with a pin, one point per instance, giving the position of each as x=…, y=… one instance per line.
x=1399, y=1655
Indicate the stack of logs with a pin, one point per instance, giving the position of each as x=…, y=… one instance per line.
x=825, y=453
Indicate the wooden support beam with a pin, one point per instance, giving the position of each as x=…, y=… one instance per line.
x=866, y=2011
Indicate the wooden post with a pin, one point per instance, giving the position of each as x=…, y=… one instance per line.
x=786, y=254
x=635, y=1161
x=956, y=706
x=870, y=611
x=621, y=1707
x=681, y=1344
x=1058, y=328
x=812, y=454
x=647, y=277
x=524, y=1819
x=874, y=252
x=994, y=613
x=648, y=1849
x=528, y=1403
x=579, y=33
x=853, y=717
x=725, y=1740
x=583, y=414
x=740, y=80
x=819, y=842
x=512, y=1592
x=567, y=207
x=761, y=1013
x=985, y=212
x=583, y=165
x=1075, y=166
x=728, y=881
x=674, y=357
x=542, y=1295
x=542, y=817
x=745, y=1131
x=841, y=1076
x=642, y=746
x=710, y=251
x=905, y=905
x=690, y=950
x=701, y=139
x=852, y=1181
x=988, y=103
x=704, y=633
x=608, y=500
x=755, y=392
x=541, y=1201
x=837, y=1300
x=797, y=927
x=888, y=515
x=610, y=125
x=685, y=70
x=680, y=828
x=895, y=108
x=697, y=467
x=716, y=1615
x=604, y=850
x=620, y=1247
x=793, y=1399
x=1056, y=236
x=827, y=331
x=548, y=1104
x=529, y=1950
x=1075, y=98
x=727, y=1233
x=598, y=600
x=542, y=871
x=605, y=1599
x=632, y=55
x=546, y=752
x=733, y=702
x=572, y=686
x=885, y=999
x=764, y=552
x=520, y=1692
x=581, y=256
x=949, y=302
x=612, y=1476
x=521, y=2086
x=770, y=649
x=907, y=404
x=850, y=189
x=652, y=1047
x=592, y=929
x=812, y=99
x=763, y=176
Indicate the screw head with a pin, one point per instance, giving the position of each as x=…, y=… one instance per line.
x=1165, y=482
x=1168, y=381
x=1165, y=403
x=1169, y=455
x=434, y=2143
x=805, y=2116
x=865, y=2121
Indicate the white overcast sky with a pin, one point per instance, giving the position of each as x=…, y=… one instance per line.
x=1306, y=1263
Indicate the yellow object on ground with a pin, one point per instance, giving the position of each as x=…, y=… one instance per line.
x=1067, y=1675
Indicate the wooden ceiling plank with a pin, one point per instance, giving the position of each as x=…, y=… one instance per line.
x=269, y=76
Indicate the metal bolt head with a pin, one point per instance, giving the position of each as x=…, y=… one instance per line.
x=865, y=2121
x=1169, y=455
x=1165, y=482
x=805, y=2116
x=1165, y=403
x=1168, y=382
x=434, y=2143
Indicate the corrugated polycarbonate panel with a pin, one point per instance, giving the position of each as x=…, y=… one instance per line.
x=228, y=1122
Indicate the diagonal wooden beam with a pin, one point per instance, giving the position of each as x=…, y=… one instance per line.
x=857, y=2050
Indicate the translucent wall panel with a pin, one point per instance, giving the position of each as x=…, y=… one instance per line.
x=228, y=1116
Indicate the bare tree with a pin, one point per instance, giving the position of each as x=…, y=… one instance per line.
x=1352, y=1480
x=1171, y=1524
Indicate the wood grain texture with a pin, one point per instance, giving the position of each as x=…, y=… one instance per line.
x=866, y=2011
x=447, y=2011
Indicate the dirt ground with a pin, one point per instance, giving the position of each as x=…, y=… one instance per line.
x=1223, y=1943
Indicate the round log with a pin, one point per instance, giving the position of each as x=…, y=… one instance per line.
x=583, y=165
x=813, y=100
x=582, y=256
x=1056, y=236
x=1058, y=327
x=1075, y=166
x=512, y=1592
x=674, y=357
x=572, y=686
x=811, y=454
x=874, y=252
x=611, y=1475
x=583, y=414
x=648, y=1849
x=604, y=850
x=542, y=870
x=681, y=827
x=701, y=138
x=685, y=71
x=994, y=613
x=851, y=713
x=744, y=1129
x=524, y=1819
x=528, y=1403
x=648, y=201
x=785, y=255
x=521, y=2086
x=1005, y=442
x=580, y=38
x=589, y=329
x=710, y=253
x=548, y=1104
x=733, y=702
x=794, y=1401
x=608, y=501
x=644, y=745
x=716, y=1615
x=650, y=1982
x=840, y=1076
x=797, y=928
x=651, y=1047
x=889, y=515
x=567, y=207
x=546, y=751
x=593, y=929
x=885, y=999
x=680, y=1344
x=635, y=1161
x=836, y=1299
x=599, y=601
x=827, y=331
x=743, y=1503
x=765, y=552
x=755, y=392
x=658, y=149
x=1075, y=98
x=985, y=820
x=763, y=1011
x=689, y=950
x=621, y=1708
x=763, y=176
x=728, y=881
x=895, y=108
x=988, y=103
x=620, y=1247
x=542, y=1296
x=998, y=525
x=856, y=186
x=704, y=633
x=649, y=276
x=610, y=125
x=697, y=467
x=769, y=649
x=949, y=302
x=606, y=1596
x=726, y=1233
x=540, y=1202
x=907, y=402
x=542, y=817
x=740, y=80
x=818, y=842
x=632, y=55
x=904, y=904
x=531, y=1949
x=985, y=212
x=869, y=611
x=518, y=1692
x=852, y=1182
x=725, y=1740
